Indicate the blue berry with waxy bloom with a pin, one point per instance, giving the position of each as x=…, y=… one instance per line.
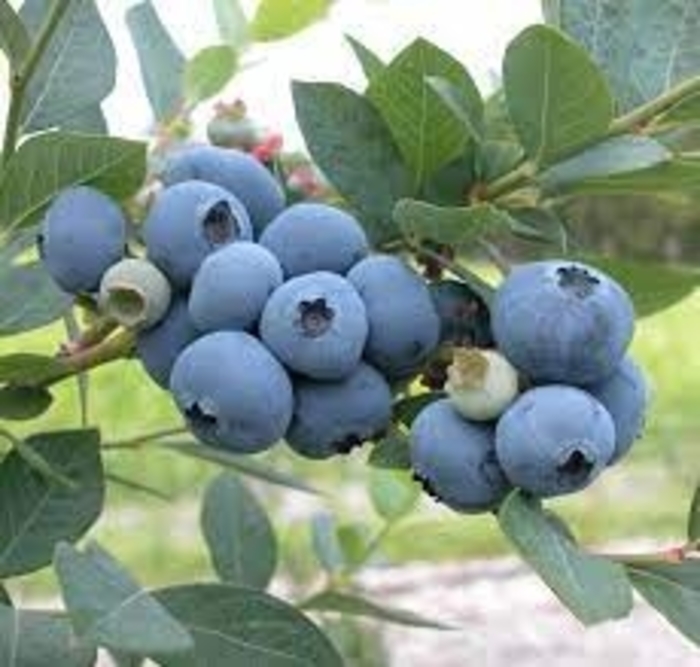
x=309, y=237
x=316, y=324
x=233, y=393
x=239, y=173
x=562, y=321
x=158, y=347
x=404, y=327
x=554, y=440
x=82, y=234
x=187, y=222
x=335, y=417
x=232, y=286
x=625, y=394
x=455, y=459
x=464, y=317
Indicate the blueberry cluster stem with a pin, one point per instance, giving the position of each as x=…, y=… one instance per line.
x=138, y=441
x=20, y=79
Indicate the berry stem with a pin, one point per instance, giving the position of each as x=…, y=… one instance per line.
x=20, y=79
x=137, y=441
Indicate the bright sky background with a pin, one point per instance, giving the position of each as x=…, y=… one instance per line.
x=474, y=31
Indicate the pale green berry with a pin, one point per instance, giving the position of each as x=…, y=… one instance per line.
x=481, y=383
x=135, y=293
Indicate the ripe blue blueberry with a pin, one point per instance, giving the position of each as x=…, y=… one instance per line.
x=455, y=459
x=404, y=327
x=316, y=324
x=464, y=317
x=233, y=393
x=83, y=233
x=334, y=417
x=554, y=440
x=562, y=321
x=232, y=286
x=187, y=222
x=310, y=237
x=625, y=394
x=239, y=173
x=158, y=347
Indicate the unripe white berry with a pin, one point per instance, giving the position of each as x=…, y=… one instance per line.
x=134, y=293
x=481, y=383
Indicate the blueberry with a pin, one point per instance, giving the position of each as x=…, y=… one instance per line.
x=239, y=173
x=554, y=440
x=158, y=347
x=232, y=286
x=310, y=237
x=625, y=394
x=233, y=393
x=561, y=321
x=334, y=417
x=464, y=317
x=187, y=222
x=455, y=459
x=404, y=327
x=134, y=293
x=83, y=233
x=317, y=325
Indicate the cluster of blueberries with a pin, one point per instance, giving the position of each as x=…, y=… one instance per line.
x=556, y=402
x=269, y=322
x=265, y=321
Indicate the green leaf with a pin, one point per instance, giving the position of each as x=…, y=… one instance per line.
x=354, y=540
x=277, y=19
x=232, y=23
x=232, y=625
x=619, y=155
x=108, y=608
x=593, y=588
x=557, y=98
x=355, y=605
x=75, y=72
x=243, y=464
x=160, y=60
x=540, y=224
x=14, y=38
x=643, y=46
x=38, y=513
x=34, y=300
x=46, y=164
x=425, y=129
x=25, y=369
x=324, y=539
x=391, y=453
x=678, y=175
x=21, y=403
x=349, y=142
x=694, y=517
x=36, y=638
x=90, y=120
x=456, y=226
x=238, y=532
x=653, y=286
x=208, y=72
x=393, y=493
x=497, y=158
x=465, y=103
x=673, y=590
x=370, y=62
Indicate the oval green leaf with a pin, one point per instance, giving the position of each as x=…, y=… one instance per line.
x=108, y=608
x=277, y=19
x=557, y=97
x=233, y=625
x=38, y=513
x=208, y=72
x=14, y=38
x=21, y=403
x=593, y=588
x=238, y=532
x=394, y=494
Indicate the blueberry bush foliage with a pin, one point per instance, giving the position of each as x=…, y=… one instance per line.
x=596, y=100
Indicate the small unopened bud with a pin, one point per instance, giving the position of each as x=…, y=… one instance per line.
x=134, y=293
x=481, y=383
